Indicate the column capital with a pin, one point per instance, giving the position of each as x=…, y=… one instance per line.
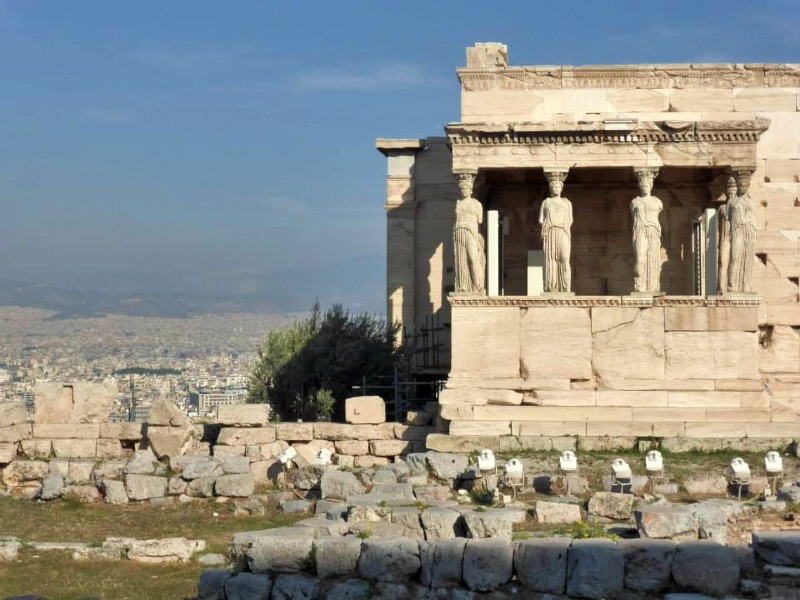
x=556, y=174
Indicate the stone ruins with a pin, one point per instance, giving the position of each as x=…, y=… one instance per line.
x=659, y=301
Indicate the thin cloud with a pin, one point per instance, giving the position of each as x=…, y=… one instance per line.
x=388, y=76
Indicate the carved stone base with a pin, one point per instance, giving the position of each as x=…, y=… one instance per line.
x=557, y=295
x=647, y=294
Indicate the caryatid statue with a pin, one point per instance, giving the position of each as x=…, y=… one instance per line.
x=724, y=237
x=744, y=233
x=467, y=239
x=555, y=217
x=645, y=209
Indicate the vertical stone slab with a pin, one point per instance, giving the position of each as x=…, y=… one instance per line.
x=628, y=343
x=485, y=342
x=541, y=564
x=596, y=569
x=556, y=342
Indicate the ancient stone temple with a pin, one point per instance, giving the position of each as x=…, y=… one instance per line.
x=612, y=251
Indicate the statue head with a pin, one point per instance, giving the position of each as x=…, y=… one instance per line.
x=555, y=180
x=730, y=188
x=742, y=182
x=465, y=184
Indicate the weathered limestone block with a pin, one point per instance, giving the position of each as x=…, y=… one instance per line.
x=488, y=564
x=194, y=467
x=75, y=448
x=557, y=512
x=164, y=550
x=237, y=436
x=8, y=452
x=596, y=569
x=109, y=448
x=716, y=318
x=113, y=491
x=706, y=567
x=431, y=494
x=336, y=557
x=628, y=343
x=459, y=397
x=167, y=414
x=492, y=523
x=78, y=402
x=611, y=505
x=13, y=413
x=352, y=447
x=445, y=465
x=144, y=487
x=441, y=523
x=295, y=587
x=309, y=477
x=15, y=433
x=267, y=471
x=239, y=486
x=648, y=564
x=777, y=547
x=412, y=432
x=220, y=450
x=81, y=493
x=130, y=432
x=391, y=560
x=781, y=353
x=706, y=484
x=441, y=562
x=295, y=432
x=711, y=355
x=486, y=342
x=541, y=564
x=323, y=526
x=234, y=465
x=81, y=431
x=143, y=462
x=335, y=432
x=408, y=518
x=52, y=486
x=389, y=447
x=365, y=409
x=476, y=428
x=21, y=472
x=280, y=550
x=265, y=451
x=9, y=548
x=248, y=586
x=340, y=484
x=202, y=487
x=556, y=343
x=167, y=442
x=712, y=518
x=36, y=448
x=80, y=471
x=677, y=523
x=761, y=99
x=243, y=415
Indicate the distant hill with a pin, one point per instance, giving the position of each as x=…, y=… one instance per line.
x=352, y=283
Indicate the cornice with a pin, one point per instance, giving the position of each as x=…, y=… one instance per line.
x=659, y=76
x=469, y=300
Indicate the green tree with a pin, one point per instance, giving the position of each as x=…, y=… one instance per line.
x=306, y=370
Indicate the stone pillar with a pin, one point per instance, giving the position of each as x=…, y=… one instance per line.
x=469, y=243
x=401, y=208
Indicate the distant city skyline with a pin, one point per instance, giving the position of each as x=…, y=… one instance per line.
x=228, y=149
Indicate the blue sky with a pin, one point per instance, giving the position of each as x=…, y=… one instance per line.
x=213, y=147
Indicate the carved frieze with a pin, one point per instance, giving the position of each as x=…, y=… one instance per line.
x=595, y=301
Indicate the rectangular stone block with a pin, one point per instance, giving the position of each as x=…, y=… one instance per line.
x=761, y=99
x=131, y=432
x=656, y=384
x=635, y=429
x=243, y=415
x=75, y=448
x=718, y=318
x=294, y=432
x=754, y=399
x=668, y=415
x=715, y=430
x=109, y=448
x=737, y=415
x=705, y=399
x=411, y=433
x=241, y=436
x=485, y=341
x=477, y=396
x=452, y=412
x=36, y=448
x=711, y=355
x=443, y=442
x=782, y=170
x=480, y=427
x=548, y=428
x=550, y=413
x=220, y=450
x=636, y=101
x=739, y=385
x=556, y=342
x=365, y=409
x=83, y=431
x=389, y=447
x=628, y=343
x=631, y=398
x=13, y=413
x=570, y=398
x=8, y=452
x=767, y=430
x=15, y=433
x=339, y=431
x=698, y=99
x=352, y=447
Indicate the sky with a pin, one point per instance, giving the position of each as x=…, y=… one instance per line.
x=228, y=148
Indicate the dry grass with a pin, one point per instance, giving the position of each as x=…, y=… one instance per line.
x=56, y=576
